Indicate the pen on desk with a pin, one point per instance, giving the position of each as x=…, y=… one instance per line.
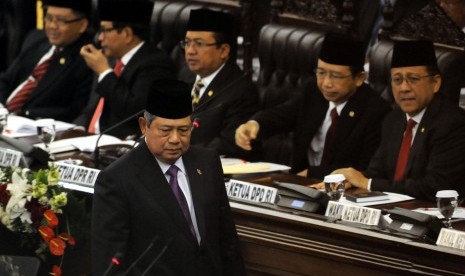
x=263, y=179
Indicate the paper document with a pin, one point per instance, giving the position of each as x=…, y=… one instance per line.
x=238, y=166
x=458, y=213
x=393, y=197
x=18, y=126
x=86, y=143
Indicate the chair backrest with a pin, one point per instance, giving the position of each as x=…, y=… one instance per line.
x=17, y=18
x=287, y=56
x=451, y=63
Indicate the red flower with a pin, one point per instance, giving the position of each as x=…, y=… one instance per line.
x=51, y=218
x=4, y=195
x=68, y=238
x=57, y=246
x=56, y=270
x=46, y=233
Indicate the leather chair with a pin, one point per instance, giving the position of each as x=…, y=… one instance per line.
x=17, y=18
x=451, y=64
x=288, y=56
x=169, y=23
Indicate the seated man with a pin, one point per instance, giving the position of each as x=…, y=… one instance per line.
x=336, y=122
x=49, y=79
x=422, y=149
x=223, y=96
x=122, y=91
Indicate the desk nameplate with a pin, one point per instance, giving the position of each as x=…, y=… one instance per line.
x=353, y=213
x=451, y=238
x=10, y=158
x=77, y=174
x=254, y=193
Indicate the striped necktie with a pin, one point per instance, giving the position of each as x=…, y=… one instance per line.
x=15, y=105
x=196, y=96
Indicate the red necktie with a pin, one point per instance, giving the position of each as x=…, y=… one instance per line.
x=173, y=173
x=330, y=134
x=98, y=110
x=16, y=103
x=404, y=151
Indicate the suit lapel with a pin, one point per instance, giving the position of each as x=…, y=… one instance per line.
x=196, y=182
x=215, y=88
x=152, y=177
x=422, y=132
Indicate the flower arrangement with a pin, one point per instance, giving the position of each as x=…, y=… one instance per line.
x=33, y=205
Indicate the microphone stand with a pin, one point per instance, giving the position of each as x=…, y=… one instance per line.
x=96, y=150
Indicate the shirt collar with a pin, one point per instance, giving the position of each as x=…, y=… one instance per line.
x=164, y=166
x=208, y=79
x=127, y=57
x=417, y=118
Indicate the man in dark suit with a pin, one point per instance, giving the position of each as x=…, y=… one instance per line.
x=336, y=121
x=49, y=79
x=423, y=141
x=223, y=97
x=121, y=92
x=165, y=195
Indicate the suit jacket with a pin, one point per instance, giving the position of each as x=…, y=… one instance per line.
x=437, y=156
x=229, y=100
x=133, y=203
x=357, y=135
x=127, y=94
x=65, y=88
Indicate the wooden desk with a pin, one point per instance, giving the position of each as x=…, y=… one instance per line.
x=277, y=243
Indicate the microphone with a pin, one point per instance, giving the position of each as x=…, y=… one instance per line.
x=163, y=250
x=114, y=262
x=141, y=255
x=96, y=150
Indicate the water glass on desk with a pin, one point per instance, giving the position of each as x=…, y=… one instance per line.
x=334, y=186
x=3, y=119
x=447, y=202
x=46, y=132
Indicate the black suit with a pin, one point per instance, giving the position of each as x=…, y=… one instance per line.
x=229, y=100
x=133, y=203
x=127, y=94
x=64, y=90
x=437, y=156
x=357, y=135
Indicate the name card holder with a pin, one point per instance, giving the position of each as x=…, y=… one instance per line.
x=451, y=238
x=10, y=158
x=249, y=192
x=77, y=174
x=353, y=213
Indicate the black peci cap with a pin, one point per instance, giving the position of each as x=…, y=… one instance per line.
x=408, y=53
x=211, y=21
x=126, y=11
x=82, y=6
x=170, y=99
x=342, y=50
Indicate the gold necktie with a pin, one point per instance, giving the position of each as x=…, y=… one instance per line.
x=196, y=96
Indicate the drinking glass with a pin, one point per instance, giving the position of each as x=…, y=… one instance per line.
x=3, y=119
x=447, y=202
x=46, y=133
x=334, y=186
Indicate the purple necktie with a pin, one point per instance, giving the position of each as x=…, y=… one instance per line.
x=173, y=173
x=330, y=135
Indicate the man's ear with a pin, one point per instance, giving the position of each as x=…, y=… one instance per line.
x=142, y=125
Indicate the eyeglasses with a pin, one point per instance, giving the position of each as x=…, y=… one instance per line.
x=196, y=44
x=104, y=30
x=410, y=79
x=60, y=21
x=333, y=76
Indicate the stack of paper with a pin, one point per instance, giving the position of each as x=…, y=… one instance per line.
x=18, y=126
